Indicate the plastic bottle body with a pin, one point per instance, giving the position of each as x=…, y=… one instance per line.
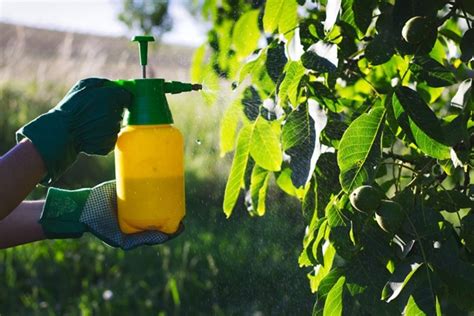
x=149, y=168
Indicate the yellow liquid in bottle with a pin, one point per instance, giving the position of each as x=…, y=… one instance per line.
x=149, y=168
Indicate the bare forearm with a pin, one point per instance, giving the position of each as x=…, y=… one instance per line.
x=21, y=226
x=20, y=171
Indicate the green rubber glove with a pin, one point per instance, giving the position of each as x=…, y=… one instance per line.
x=86, y=120
x=69, y=214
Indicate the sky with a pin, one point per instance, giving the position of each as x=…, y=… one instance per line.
x=96, y=17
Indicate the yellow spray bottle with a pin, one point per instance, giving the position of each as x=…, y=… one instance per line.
x=149, y=155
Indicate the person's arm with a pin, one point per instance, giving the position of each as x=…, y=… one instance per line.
x=86, y=120
x=21, y=226
x=20, y=171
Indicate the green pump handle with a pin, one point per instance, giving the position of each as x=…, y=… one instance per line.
x=143, y=50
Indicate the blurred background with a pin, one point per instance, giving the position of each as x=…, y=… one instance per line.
x=242, y=266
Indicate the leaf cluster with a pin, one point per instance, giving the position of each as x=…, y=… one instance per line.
x=332, y=97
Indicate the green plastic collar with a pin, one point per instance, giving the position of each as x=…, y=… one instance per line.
x=149, y=105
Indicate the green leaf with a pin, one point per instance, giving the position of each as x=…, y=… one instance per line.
x=365, y=278
x=334, y=300
x=335, y=214
x=359, y=150
x=312, y=253
x=265, y=146
x=288, y=88
x=253, y=66
x=309, y=202
x=300, y=141
x=327, y=181
x=431, y=71
x=258, y=189
x=467, y=45
x=280, y=14
x=429, y=94
x=438, y=52
x=447, y=166
x=246, y=34
x=400, y=277
x=380, y=49
x=317, y=247
x=423, y=124
x=323, y=95
x=450, y=34
x=375, y=241
x=228, y=127
x=329, y=281
x=209, y=8
x=455, y=129
x=455, y=273
x=312, y=60
x=237, y=170
x=306, y=257
x=348, y=15
x=284, y=182
x=197, y=64
x=449, y=200
x=224, y=41
x=363, y=10
x=423, y=299
x=347, y=45
x=251, y=102
x=338, y=215
x=288, y=19
x=257, y=69
x=325, y=286
x=276, y=61
x=412, y=309
x=424, y=222
x=296, y=128
x=357, y=15
x=321, y=270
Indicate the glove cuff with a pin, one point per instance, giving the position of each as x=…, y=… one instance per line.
x=61, y=213
x=53, y=143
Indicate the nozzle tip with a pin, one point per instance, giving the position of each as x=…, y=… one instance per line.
x=197, y=86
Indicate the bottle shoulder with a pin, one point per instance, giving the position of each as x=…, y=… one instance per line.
x=150, y=132
x=165, y=128
x=149, y=126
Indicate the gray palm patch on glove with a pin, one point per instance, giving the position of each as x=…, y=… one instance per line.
x=70, y=213
x=101, y=219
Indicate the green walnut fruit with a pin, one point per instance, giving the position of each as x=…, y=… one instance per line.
x=389, y=216
x=365, y=199
x=419, y=29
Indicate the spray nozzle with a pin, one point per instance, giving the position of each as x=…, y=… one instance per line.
x=174, y=87
x=143, y=50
